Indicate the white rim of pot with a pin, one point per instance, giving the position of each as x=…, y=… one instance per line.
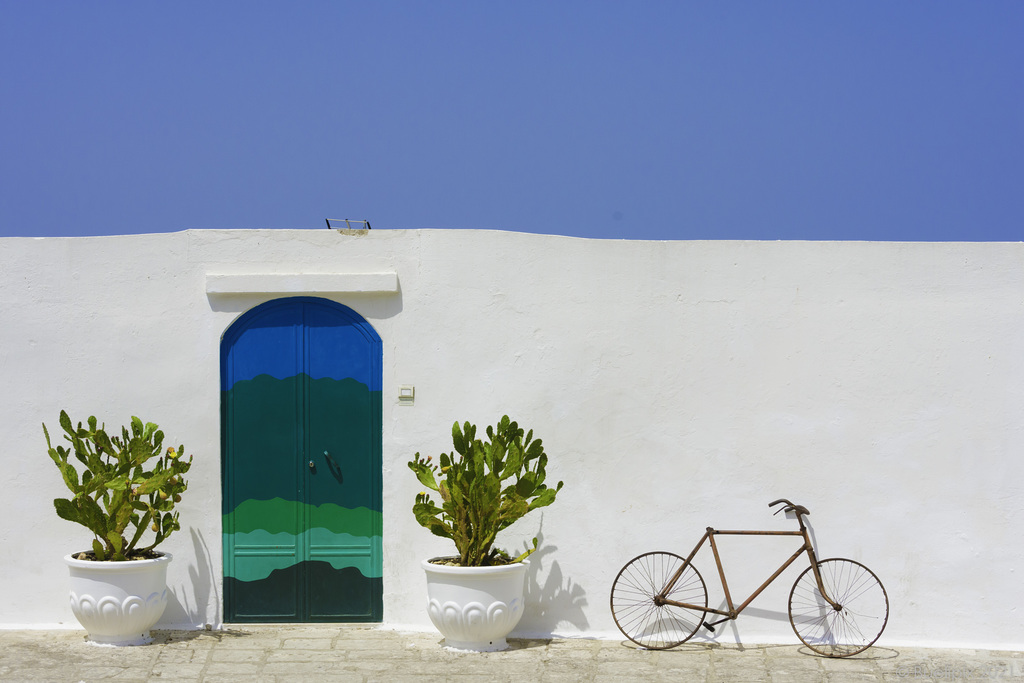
x=459, y=569
x=112, y=566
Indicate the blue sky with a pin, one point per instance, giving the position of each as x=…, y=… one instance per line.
x=645, y=120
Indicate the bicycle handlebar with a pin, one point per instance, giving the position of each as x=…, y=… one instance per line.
x=790, y=507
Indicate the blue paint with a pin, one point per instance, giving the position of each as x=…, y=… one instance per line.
x=267, y=341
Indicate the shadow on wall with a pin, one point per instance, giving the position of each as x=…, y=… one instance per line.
x=559, y=601
x=192, y=609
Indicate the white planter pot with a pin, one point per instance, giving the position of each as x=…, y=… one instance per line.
x=118, y=602
x=474, y=608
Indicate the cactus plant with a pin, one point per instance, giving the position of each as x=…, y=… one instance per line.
x=483, y=489
x=129, y=482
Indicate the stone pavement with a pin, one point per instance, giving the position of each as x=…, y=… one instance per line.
x=357, y=654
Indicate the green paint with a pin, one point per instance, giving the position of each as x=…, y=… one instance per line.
x=333, y=592
x=258, y=567
x=338, y=550
x=271, y=435
x=278, y=515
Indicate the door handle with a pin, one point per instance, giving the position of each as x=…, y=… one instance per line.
x=311, y=465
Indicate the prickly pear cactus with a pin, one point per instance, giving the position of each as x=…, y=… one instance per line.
x=129, y=483
x=484, y=487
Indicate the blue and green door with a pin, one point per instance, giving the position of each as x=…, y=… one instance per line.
x=301, y=462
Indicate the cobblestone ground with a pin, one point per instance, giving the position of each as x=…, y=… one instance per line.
x=364, y=655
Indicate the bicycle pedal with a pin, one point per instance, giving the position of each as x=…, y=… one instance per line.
x=709, y=627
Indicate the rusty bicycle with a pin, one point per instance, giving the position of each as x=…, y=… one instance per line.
x=837, y=607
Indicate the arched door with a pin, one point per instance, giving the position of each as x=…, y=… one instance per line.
x=301, y=464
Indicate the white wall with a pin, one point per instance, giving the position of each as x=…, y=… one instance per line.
x=676, y=385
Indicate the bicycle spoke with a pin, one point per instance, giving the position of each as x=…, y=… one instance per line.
x=853, y=628
x=633, y=604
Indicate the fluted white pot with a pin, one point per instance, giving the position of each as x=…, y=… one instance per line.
x=474, y=608
x=118, y=602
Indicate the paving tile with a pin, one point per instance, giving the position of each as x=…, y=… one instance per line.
x=407, y=678
x=305, y=656
x=785, y=651
x=351, y=677
x=346, y=655
x=794, y=664
x=349, y=643
x=237, y=668
x=181, y=656
x=625, y=669
x=853, y=677
x=307, y=643
x=570, y=677
x=247, y=643
x=804, y=677
x=237, y=656
x=121, y=677
x=189, y=671
x=848, y=665
x=396, y=655
x=739, y=667
x=625, y=654
x=304, y=668
x=563, y=666
x=41, y=674
x=368, y=666
x=176, y=676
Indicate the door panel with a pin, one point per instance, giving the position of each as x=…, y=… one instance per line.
x=302, y=465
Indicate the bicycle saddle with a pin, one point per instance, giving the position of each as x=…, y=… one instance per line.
x=790, y=507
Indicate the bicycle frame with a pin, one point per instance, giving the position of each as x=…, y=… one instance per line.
x=733, y=611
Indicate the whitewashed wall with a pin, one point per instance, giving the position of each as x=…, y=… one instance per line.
x=676, y=385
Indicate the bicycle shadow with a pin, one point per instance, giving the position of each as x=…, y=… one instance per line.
x=697, y=645
x=704, y=639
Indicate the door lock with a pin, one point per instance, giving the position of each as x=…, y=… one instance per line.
x=311, y=465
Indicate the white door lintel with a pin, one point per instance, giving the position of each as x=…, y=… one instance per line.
x=302, y=283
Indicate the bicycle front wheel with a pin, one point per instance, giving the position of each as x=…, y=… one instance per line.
x=641, y=616
x=863, y=608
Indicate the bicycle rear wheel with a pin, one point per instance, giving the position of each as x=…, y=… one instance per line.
x=863, y=613
x=635, y=610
